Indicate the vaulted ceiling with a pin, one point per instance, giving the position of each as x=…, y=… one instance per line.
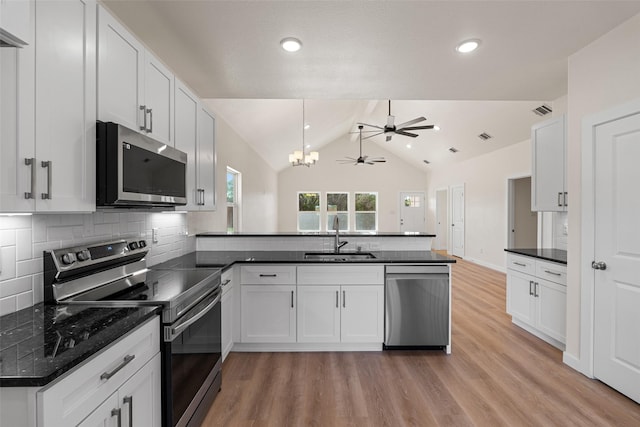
x=358, y=54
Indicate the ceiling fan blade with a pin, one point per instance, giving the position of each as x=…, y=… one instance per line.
x=371, y=136
x=401, y=132
x=389, y=138
x=418, y=127
x=366, y=131
x=373, y=126
x=411, y=122
x=378, y=160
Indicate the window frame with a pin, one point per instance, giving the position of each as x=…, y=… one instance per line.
x=376, y=211
x=319, y=211
x=329, y=227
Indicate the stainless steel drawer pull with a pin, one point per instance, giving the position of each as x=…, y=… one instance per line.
x=566, y=199
x=344, y=299
x=553, y=272
x=31, y=162
x=291, y=299
x=337, y=298
x=143, y=108
x=226, y=282
x=559, y=199
x=530, y=287
x=117, y=413
x=520, y=264
x=127, y=359
x=48, y=165
x=268, y=275
x=129, y=400
x=150, y=112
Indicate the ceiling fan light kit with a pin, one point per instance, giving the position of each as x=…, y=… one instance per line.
x=300, y=157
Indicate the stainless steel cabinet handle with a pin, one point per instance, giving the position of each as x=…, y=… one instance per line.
x=150, y=112
x=143, y=108
x=535, y=290
x=291, y=299
x=530, y=287
x=553, y=272
x=566, y=199
x=226, y=282
x=599, y=265
x=117, y=413
x=520, y=264
x=559, y=198
x=127, y=359
x=31, y=162
x=344, y=299
x=337, y=298
x=202, y=199
x=129, y=400
x=268, y=275
x=48, y=164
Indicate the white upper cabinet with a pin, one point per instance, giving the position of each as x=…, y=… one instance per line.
x=548, y=156
x=134, y=88
x=15, y=18
x=206, y=158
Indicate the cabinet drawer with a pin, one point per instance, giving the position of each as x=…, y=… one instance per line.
x=341, y=275
x=69, y=400
x=268, y=275
x=521, y=263
x=552, y=271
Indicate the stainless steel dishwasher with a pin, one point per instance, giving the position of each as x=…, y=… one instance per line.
x=417, y=307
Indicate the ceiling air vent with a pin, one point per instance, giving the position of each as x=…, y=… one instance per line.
x=453, y=149
x=484, y=136
x=426, y=161
x=542, y=110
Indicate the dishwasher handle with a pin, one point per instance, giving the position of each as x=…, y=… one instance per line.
x=423, y=276
x=417, y=269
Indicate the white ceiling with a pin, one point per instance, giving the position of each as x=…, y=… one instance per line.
x=356, y=51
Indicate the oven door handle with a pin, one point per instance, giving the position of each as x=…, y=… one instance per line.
x=171, y=332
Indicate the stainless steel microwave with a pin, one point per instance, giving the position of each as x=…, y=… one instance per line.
x=133, y=170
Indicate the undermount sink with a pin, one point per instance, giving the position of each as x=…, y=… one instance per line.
x=336, y=257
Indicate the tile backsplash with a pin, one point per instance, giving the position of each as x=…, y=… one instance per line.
x=24, y=238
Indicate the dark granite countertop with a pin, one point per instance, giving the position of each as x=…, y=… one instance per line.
x=555, y=255
x=40, y=343
x=317, y=234
x=225, y=259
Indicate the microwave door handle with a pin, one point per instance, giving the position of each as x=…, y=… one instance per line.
x=177, y=330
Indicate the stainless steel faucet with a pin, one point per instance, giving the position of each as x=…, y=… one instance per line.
x=337, y=244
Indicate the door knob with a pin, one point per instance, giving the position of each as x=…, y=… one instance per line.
x=599, y=265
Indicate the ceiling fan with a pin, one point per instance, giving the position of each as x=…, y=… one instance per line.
x=391, y=128
x=362, y=160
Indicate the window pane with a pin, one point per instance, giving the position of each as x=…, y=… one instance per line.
x=230, y=225
x=365, y=221
x=343, y=219
x=308, y=221
x=231, y=187
x=308, y=202
x=365, y=202
x=337, y=202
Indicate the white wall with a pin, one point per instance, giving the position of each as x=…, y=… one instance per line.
x=388, y=179
x=601, y=75
x=24, y=238
x=485, y=179
x=259, y=185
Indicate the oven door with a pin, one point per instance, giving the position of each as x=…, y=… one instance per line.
x=192, y=363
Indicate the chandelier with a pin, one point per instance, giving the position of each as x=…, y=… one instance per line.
x=300, y=157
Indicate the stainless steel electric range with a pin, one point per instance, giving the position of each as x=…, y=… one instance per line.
x=115, y=274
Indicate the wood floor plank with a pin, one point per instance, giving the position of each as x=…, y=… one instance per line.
x=497, y=375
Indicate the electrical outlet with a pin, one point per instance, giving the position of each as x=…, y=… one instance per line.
x=565, y=229
x=154, y=235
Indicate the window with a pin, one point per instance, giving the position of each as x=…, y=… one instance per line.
x=338, y=205
x=366, y=212
x=308, y=211
x=233, y=200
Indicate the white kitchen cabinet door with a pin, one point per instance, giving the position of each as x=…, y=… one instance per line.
x=65, y=89
x=318, y=314
x=105, y=415
x=186, y=137
x=15, y=17
x=206, y=157
x=158, y=99
x=139, y=398
x=268, y=313
x=551, y=309
x=520, y=299
x=228, y=302
x=120, y=73
x=362, y=315
x=548, y=157
x=17, y=129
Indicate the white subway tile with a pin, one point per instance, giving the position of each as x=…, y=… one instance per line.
x=24, y=300
x=7, y=305
x=24, y=244
x=7, y=237
x=38, y=288
x=15, y=286
x=8, y=259
x=29, y=267
x=15, y=222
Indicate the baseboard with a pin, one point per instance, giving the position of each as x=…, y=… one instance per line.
x=544, y=337
x=486, y=264
x=574, y=363
x=293, y=347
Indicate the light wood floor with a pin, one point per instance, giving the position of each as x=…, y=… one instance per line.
x=497, y=375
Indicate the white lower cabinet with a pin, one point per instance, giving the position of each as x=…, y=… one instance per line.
x=537, y=297
x=121, y=382
x=268, y=313
x=318, y=314
x=230, y=320
x=362, y=315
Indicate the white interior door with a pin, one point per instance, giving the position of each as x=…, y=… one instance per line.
x=412, y=212
x=617, y=244
x=457, y=221
x=442, y=227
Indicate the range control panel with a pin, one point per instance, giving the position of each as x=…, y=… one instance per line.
x=84, y=256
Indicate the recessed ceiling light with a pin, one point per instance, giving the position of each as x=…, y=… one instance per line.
x=408, y=145
x=468, y=46
x=307, y=126
x=291, y=44
x=436, y=128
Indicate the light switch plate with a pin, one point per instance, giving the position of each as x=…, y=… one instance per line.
x=565, y=229
x=154, y=235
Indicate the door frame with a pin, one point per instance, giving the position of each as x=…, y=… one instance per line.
x=447, y=243
x=511, y=211
x=424, y=207
x=450, y=215
x=587, y=232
